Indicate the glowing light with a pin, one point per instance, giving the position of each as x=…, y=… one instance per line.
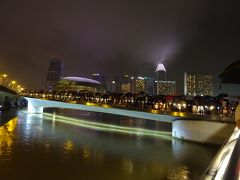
x=81, y=79
x=160, y=67
x=68, y=145
x=211, y=108
x=139, y=77
x=154, y=111
x=90, y=104
x=175, y=113
x=73, y=102
x=181, y=114
x=96, y=74
x=105, y=105
x=109, y=127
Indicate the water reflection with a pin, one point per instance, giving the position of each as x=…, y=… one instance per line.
x=51, y=149
x=179, y=173
x=86, y=153
x=127, y=165
x=7, y=133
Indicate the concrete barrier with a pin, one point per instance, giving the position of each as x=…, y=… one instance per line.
x=202, y=131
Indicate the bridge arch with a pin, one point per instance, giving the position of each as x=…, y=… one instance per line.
x=195, y=130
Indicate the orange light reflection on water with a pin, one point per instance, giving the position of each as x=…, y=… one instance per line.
x=7, y=135
x=68, y=145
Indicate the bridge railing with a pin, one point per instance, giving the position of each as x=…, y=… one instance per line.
x=232, y=171
x=225, y=165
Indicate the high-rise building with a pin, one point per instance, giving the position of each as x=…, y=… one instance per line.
x=55, y=73
x=120, y=84
x=111, y=86
x=166, y=87
x=144, y=84
x=198, y=84
x=160, y=73
x=133, y=84
x=149, y=85
x=101, y=78
x=140, y=84
x=124, y=82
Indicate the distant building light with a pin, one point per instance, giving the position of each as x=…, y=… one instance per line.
x=132, y=77
x=139, y=77
x=95, y=74
x=113, y=82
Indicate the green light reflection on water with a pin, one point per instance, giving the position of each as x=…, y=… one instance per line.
x=108, y=127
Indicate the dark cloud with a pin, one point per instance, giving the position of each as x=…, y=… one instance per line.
x=115, y=37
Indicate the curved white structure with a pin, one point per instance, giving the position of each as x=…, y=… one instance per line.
x=202, y=131
x=81, y=79
x=221, y=162
x=37, y=106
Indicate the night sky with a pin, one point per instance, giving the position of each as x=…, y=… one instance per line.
x=118, y=37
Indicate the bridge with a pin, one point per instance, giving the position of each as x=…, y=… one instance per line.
x=184, y=128
x=37, y=106
x=224, y=164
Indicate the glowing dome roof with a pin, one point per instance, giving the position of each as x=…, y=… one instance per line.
x=160, y=67
x=81, y=79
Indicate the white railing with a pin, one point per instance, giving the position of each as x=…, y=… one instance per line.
x=219, y=167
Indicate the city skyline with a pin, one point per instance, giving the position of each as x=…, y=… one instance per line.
x=117, y=37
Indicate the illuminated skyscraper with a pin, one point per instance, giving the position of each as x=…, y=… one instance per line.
x=125, y=85
x=198, y=84
x=55, y=73
x=140, y=85
x=166, y=87
x=160, y=76
x=160, y=73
